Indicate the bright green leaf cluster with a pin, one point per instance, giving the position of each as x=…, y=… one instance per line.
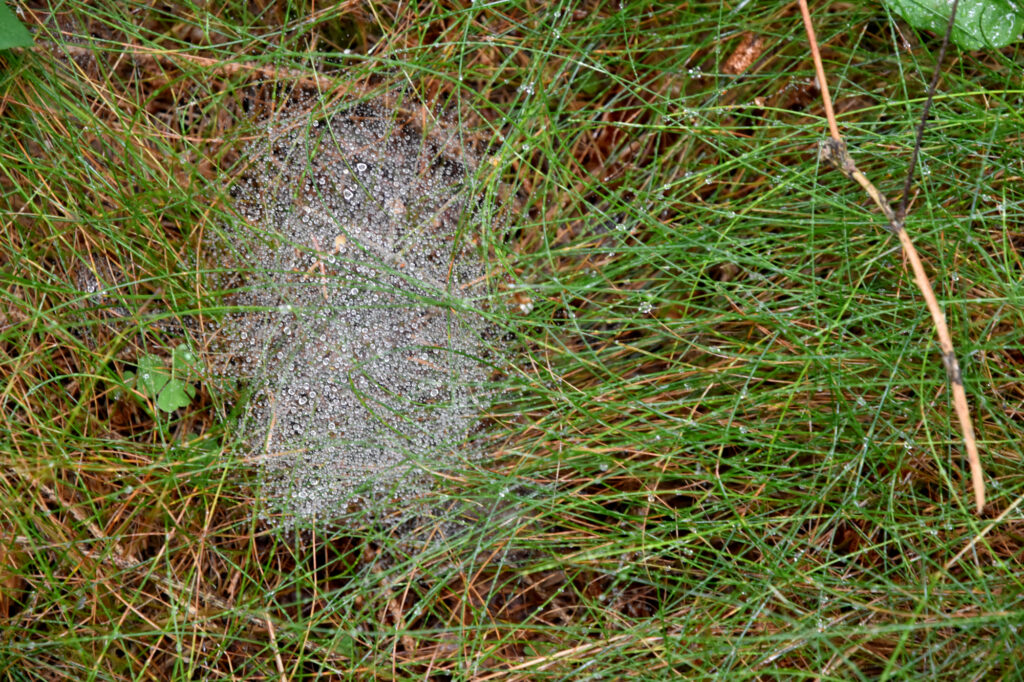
x=169, y=386
x=978, y=23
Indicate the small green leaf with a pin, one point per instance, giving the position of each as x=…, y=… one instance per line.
x=183, y=360
x=168, y=385
x=175, y=394
x=12, y=32
x=978, y=23
x=152, y=376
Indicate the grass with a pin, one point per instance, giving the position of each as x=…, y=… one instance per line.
x=727, y=451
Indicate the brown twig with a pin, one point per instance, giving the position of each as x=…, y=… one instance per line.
x=819, y=69
x=835, y=152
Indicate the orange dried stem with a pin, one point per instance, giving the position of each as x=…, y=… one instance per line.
x=835, y=152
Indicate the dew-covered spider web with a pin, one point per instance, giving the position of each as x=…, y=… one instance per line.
x=358, y=298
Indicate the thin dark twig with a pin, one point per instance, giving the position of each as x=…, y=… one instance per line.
x=901, y=210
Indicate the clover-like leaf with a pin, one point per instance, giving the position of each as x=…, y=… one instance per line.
x=175, y=394
x=978, y=23
x=183, y=360
x=169, y=386
x=152, y=376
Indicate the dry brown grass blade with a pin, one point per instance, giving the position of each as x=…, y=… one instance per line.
x=835, y=152
x=333, y=87
x=113, y=553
